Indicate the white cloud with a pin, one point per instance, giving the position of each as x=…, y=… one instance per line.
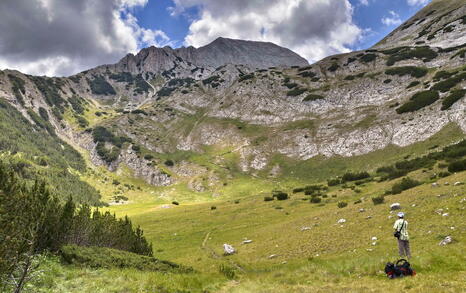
x=314, y=29
x=417, y=2
x=364, y=2
x=62, y=37
x=393, y=19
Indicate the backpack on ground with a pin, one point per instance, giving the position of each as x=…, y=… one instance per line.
x=399, y=269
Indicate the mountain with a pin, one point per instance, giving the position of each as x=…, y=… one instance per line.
x=262, y=104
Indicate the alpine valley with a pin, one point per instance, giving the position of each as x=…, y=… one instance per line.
x=246, y=143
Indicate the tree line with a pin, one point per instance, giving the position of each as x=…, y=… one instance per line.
x=33, y=221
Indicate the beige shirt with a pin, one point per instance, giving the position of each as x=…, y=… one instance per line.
x=404, y=231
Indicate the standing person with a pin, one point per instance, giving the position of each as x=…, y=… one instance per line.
x=401, y=226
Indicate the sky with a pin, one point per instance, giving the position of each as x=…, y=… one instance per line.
x=64, y=37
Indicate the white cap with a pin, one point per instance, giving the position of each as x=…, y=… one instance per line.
x=401, y=214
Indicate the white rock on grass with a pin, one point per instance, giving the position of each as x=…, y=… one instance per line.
x=247, y=241
x=362, y=210
x=228, y=249
x=395, y=206
x=272, y=256
x=457, y=183
x=341, y=221
x=445, y=214
x=374, y=238
x=446, y=241
x=435, y=184
x=374, y=243
x=305, y=228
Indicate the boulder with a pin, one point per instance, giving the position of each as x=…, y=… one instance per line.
x=435, y=184
x=395, y=206
x=362, y=210
x=305, y=228
x=374, y=238
x=457, y=183
x=247, y=241
x=272, y=256
x=228, y=249
x=341, y=221
x=446, y=241
x=445, y=215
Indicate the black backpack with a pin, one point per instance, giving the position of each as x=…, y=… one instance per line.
x=399, y=269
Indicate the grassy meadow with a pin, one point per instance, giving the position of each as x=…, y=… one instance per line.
x=297, y=246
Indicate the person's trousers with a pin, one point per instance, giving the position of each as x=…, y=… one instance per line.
x=403, y=248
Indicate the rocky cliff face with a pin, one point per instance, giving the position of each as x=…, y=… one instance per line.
x=238, y=104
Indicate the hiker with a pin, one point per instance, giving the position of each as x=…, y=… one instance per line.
x=401, y=232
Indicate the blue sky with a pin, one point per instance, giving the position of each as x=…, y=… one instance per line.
x=156, y=15
x=63, y=37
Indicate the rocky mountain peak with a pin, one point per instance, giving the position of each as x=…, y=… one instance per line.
x=220, y=52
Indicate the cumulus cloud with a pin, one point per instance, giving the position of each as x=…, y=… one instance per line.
x=393, y=19
x=314, y=29
x=417, y=2
x=62, y=37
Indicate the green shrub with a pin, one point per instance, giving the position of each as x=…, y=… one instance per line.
x=368, y=58
x=291, y=85
x=342, y=204
x=140, y=85
x=407, y=70
x=280, y=195
x=307, y=74
x=299, y=189
x=419, y=101
x=457, y=166
x=77, y=104
x=406, y=53
x=108, y=258
x=82, y=122
x=443, y=75
x=315, y=199
x=312, y=97
x=213, y=208
x=49, y=90
x=358, y=201
x=378, y=200
x=211, y=79
x=333, y=181
x=99, y=86
x=405, y=184
x=169, y=163
x=18, y=88
x=455, y=96
x=387, y=81
x=122, y=77
x=148, y=157
x=333, y=67
x=349, y=176
x=296, y=92
x=445, y=85
x=246, y=77
x=268, y=198
x=413, y=84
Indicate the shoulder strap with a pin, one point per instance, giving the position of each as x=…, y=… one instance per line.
x=402, y=224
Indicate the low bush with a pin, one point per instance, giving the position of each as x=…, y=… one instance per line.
x=315, y=199
x=358, y=201
x=368, y=58
x=299, y=189
x=175, y=203
x=443, y=174
x=455, y=96
x=108, y=258
x=378, y=200
x=354, y=176
x=407, y=70
x=99, y=86
x=419, y=101
x=268, y=198
x=228, y=271
x=413, y=84
x=148, y=157
x=280, y=195
x=296, y=92
x=342, y=204
x=333, y=67
x=169, y=163
x=313, y=97
x=246, y=77
x=457, y=166
x=333, y=181
x=405, y=184
x=213, y=208
x=445, y=85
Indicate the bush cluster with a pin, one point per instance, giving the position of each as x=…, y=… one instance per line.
x=313, y=97
x=455, y=96
x=407, y=70
x=99, y=86
x=405, y=184
x=419, y=101
x=349, y=176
